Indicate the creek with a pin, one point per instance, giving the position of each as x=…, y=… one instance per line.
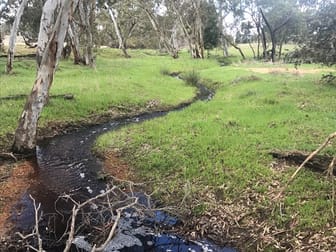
x=66, y=164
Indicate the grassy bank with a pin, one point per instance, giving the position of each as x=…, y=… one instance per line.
x=117, y=86
x=216, y=153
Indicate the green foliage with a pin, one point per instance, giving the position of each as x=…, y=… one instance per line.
x=210, y=23
x=318, y=44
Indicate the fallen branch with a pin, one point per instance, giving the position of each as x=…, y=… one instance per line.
x=35, y=232
x=7, y=155
x=318, y=150
x=23, y=96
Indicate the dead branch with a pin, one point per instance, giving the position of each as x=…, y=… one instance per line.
x=35, y=232
x=8, y=155
x=115, y=224
x=318, y=150
x=118, y=206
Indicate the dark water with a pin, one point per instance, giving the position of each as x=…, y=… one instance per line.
x=66, y=164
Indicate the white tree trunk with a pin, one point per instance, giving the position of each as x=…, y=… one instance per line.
x=25, y=135
x=12, y=39
x=164, y=40
x=46, y=27
x=86, y=12
x=72, y=32
x=117, y=30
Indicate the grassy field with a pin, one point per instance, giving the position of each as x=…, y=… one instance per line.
x=222, y=146
x=213, y=153
x=116, y=84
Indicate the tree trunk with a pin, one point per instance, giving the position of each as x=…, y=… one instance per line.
x=25, y=135
x=199, y=31
x=223, y=41
x=273, y=32
x=87, y=15
x=239, y=50
x=73, y=36
x=161, y=34
x=194, y=34
x=122, y=44
x=225, y=48
x=46, y=27
x=264, y=43
x=12, y=39
x=74, y=42
x=253, y=51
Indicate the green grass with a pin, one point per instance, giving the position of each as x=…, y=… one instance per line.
x=220, y=146
x=115, y=82
x=226, y=142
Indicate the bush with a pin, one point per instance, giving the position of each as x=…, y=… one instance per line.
x=329, y=79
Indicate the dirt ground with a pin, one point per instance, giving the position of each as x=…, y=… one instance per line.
x=14, y=181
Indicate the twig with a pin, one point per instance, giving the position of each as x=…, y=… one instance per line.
x=115, y=224
x=36, y=231
x=39, y=240
x=319, y=149
x=8, y=155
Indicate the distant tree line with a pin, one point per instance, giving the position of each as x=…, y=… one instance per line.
x=194, y=24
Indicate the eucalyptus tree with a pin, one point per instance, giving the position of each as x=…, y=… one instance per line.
x=277, y=23
x=125, y=17
x=87, y=12
x=25, y=134
x=49, y=12
x=318, y=44
x=12, y=39
x=189, y=16
x=163, y=22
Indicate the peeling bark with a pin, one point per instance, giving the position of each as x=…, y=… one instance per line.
x=46, y=27
x=25, y=135
x=12, y=40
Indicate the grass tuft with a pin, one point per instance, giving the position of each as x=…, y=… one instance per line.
x=192, y=78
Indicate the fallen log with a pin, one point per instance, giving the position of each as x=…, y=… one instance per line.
x=23, y=96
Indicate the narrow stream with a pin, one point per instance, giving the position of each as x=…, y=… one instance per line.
x=66, y=164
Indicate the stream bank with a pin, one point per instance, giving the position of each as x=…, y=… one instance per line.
x=65, y=164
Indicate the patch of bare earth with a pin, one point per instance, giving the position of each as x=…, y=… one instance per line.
x=14, y=181
x=114, y=166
